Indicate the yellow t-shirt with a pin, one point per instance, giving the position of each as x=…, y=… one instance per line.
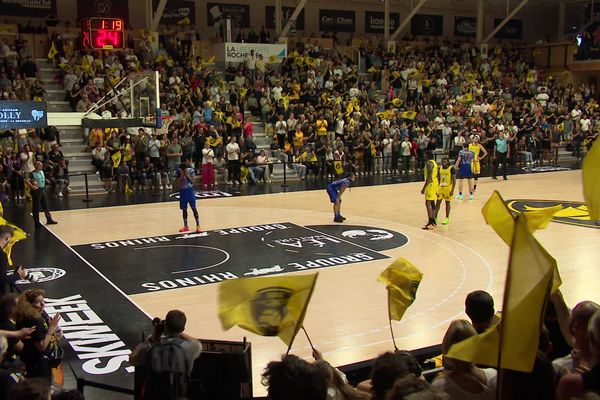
x=298, y=139
x=321, y=127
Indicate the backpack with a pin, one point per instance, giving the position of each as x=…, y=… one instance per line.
x=166, y=375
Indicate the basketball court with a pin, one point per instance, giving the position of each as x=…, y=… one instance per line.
x=128, y=263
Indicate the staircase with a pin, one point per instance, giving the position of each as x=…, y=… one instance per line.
x=71, y=137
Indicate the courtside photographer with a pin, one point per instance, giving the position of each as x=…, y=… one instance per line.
x=167, y=358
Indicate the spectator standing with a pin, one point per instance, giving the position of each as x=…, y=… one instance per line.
x=233, y=161
x=208, y=170
x=251, y=65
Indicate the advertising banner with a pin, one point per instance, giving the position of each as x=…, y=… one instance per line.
x=103, y=8
x=237, y=52
x=465, y=26
x=29, y=8
x=178, y=12
x=337, y=21
x=512, y=30
x=374, y=21
x=240, y=13
x=23, y=114
x=428, y=25
x=287, y=13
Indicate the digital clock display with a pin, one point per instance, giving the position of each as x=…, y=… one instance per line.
x=103, y=33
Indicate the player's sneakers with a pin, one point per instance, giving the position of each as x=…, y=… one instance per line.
x=446, y=221
x=338, y=219
x=472, y=197
x=198, y=229
x=460, y=197
x=342, y=217
x=184, y=229
x=429, y=227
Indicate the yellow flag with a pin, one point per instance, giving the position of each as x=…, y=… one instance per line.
x=52, y=52
x=270, y=306
x=497, y=214
x=372, y=70
x=591, y=180
x=211, y=60
x=465, y=98
x=185, y=21
x=116, y=158
x=409, y=115
x=338, y=167
x=402, y=280
x=19, y=234
x=516, y=336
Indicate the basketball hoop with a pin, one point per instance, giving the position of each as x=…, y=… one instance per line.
x=164, y=129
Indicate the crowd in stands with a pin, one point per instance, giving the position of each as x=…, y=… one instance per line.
x=317, y=108
x=566, y=367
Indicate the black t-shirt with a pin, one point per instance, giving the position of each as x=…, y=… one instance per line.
x=30, y=354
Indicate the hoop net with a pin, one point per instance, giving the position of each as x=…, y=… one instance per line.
x=166, y=122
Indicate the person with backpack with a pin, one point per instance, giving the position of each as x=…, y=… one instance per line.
x=167, y=358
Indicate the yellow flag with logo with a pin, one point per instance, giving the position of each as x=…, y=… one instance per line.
x=402, y=280
x=116, y=158
x=269, y=306
x=498, y=216
x=338, y=167
x=591, y=180
x=516, y=336
x=411, y=115
x=52, y=52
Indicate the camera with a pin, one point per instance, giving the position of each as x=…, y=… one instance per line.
x=159, y=326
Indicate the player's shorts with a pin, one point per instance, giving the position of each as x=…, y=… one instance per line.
x=476, y=167
x=187, y=196
x=445, y=193
x=333, y=194
x=431, y=192
x=465, y=172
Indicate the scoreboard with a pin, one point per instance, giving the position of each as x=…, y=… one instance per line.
x=103, y=33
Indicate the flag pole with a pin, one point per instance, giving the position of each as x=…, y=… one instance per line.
x=390, y=321
x=307, y=337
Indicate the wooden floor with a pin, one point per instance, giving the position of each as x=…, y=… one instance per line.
x=347, y=318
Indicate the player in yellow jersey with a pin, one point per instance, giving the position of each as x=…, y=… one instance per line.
x=480, y=154
x=446, y=190
x=430, y=188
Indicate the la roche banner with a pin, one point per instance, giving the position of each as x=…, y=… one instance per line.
x=237, y=52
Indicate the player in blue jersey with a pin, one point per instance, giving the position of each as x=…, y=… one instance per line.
x=185, y=182
x=335, y=190
x=465, y=171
